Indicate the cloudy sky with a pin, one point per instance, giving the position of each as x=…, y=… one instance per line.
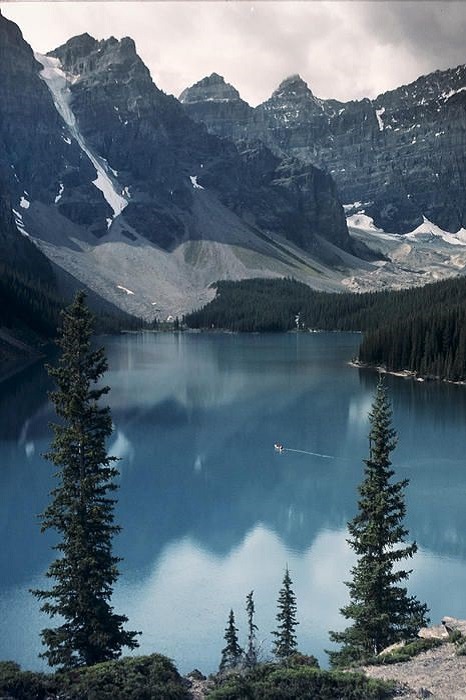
x=345, y=50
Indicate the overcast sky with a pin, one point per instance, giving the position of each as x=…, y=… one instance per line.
x=346, y=50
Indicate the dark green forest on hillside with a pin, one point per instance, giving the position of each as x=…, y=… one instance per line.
x=421, y=329
x=28, y=303
x=30, y=313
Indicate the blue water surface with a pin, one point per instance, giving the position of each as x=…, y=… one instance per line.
x=209, y=511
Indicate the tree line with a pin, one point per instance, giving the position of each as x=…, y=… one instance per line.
x=30, y=308
x=422, y=330
x=81, y=511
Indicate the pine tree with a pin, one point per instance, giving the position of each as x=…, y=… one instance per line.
x=381, y=610
x=285, y=643
x=81, y=510
x=232, y=654
x=251, y=653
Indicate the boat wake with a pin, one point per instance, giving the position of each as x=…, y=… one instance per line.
x=280, y=448
x=305, y=452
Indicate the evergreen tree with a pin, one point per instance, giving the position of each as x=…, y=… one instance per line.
x=381, y=610
x=285, y=643
x=81, y=510
x=232, y=654
x=251, y=653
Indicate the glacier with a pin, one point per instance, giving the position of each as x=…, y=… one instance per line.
x=58, y=82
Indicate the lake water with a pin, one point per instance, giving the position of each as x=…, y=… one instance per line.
x=210, y=511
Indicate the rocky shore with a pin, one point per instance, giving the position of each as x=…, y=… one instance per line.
x=438, y=673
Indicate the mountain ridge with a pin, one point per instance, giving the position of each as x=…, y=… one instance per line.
x=367, y=145
x=126, y=195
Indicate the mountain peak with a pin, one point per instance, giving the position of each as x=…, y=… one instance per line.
x=83, y=55
x=213, y=79
x=78, y=46
x=293, y=85
x=212, y=88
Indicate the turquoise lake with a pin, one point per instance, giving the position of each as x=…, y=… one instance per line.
x=209, y=511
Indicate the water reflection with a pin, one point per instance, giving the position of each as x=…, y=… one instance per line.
x=181, y=601
x=209, y=510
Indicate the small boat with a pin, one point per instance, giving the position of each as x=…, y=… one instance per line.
x=279, y=447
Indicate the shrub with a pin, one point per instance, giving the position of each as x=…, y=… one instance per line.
x=272, y=682
x=24, y=685
x=407, y=652
x=151, y=677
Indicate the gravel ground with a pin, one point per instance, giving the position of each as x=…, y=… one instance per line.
x=437, y=674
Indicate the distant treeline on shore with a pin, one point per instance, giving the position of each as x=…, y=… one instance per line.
x=422, y=330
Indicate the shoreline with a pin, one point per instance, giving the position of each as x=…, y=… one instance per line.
x=404, y=373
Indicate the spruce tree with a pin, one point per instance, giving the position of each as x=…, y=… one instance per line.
x=251, y=652
x=81, y=509
x=232, y=654
x=380, y=607
x=285, y=643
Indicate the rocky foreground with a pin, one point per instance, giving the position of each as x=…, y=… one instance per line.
x=438, y=673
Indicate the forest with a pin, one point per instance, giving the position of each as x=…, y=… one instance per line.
x=30, y=307
x=420, y=329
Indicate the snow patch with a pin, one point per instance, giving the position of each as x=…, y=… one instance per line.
x=378, y=114
x=354, y=205
x=446, y=95
x=195, y=183
x=67, y=140
x=24, y=203
x=20, y=223
x=57, y=82
x=427, y=228
x=124, y=289
x=364, y=222
x=60, y=192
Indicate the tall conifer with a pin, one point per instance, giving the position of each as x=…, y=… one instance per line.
x=81, y=510
x=232, y=654
x=285, y=643
x=380, y=607
x=251, y=652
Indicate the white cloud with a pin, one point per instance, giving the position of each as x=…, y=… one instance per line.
x=345, y=50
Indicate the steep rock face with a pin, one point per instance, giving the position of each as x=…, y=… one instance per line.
x=124, y=192
x=218, y=104
x=36, y=156
x=276, y=195
x=401, y=156
x=160, y=155
x=292, y=103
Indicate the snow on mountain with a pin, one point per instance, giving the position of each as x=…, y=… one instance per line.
x=427, y=230
x=378, y=114
x=425, y=254
x=195, y=183
x=58, y=83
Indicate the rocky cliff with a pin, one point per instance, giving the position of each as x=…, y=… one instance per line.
x=38, y=160
x=400, y=157
x=129, y=195
x=156, y=150
x=218, y=105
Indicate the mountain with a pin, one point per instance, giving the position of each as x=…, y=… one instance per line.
x=218, y=105
x=399, y=157
x=123, y=191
